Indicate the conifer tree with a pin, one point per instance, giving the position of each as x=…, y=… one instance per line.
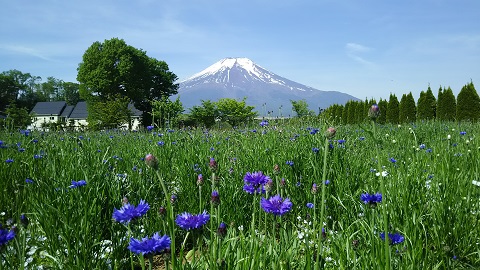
x=468, y=104
x=383, y=106
x=450, y=105
x=393, y=110
x=402, y=116
x=426, y=105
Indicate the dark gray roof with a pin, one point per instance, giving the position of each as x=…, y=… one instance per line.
x=68, y=110
x=80, y=111
x=134, y=110
x=49, y=108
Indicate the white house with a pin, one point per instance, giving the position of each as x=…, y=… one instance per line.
x=47, y=112
x=73, y=116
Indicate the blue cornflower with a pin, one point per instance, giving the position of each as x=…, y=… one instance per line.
x=289, y=163
x=160, y=143
x=254, y=181
x=393, y=160
x=314, y=131
x=395, y=238
x=422, y=146
x=9, y=160
x=6, y=236
x=463, y=133
x=327, y=182
x=188, y=221
x=76, y=184
x=129, y=212
x=29, y=181
x=276, y=205
x=310, y=205
x=315, y=150
x=153, y=245
x=37, y=156
x=264, y=123
x=341, y=141
x=372, y=199
x=149, y=128
x=361, y=138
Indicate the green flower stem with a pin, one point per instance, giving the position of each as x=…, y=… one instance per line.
x=322, y=210
x=384, y=204
x=171, y=219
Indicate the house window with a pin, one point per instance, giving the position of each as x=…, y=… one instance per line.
x=52, y=118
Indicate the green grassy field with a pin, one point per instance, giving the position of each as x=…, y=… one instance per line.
x=431, y=197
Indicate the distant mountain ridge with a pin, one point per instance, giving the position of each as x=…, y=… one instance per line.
x=241, y=77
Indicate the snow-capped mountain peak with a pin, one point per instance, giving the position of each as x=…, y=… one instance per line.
x=241, y=77
x=233, y=71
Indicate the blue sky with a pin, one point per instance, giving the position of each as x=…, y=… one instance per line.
x=367, y=48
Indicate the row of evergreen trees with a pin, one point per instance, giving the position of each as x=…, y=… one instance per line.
x=466, y=107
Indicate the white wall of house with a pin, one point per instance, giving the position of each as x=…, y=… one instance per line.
x=40, y=120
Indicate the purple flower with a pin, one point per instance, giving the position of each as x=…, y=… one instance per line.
x=9, y=160
x=264, y=123
x=463, y=133
x=374, y=112
x=76, y=184
x=153, y=245
x=372, y=199
x=315, y=150
x=149, y=128
x=255, y=178
x=310, y=205
x=395, y=238
x=393, y=160
x=289, y=163
x=160, y=143
x=341, y=141
x=6, y=236
x=129, y=212
x=29, y=181
x=276, y=205
x=188, y=221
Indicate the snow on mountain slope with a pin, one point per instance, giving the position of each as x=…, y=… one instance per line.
x=241, y=77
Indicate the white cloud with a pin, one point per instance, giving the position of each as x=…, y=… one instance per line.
x=356, y=48
x=26, y=51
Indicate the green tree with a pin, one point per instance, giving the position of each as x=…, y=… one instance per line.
x=426, y=105
x=234, y=112
x=468, y=104
x=446, y=105
x=383, y=106
x=393, y=110
x=407, y=108
x=165, y=112
x=8, y=91
x=17, y=117
x=300, y=107
x=114, y=68
x=205, y=114
x=108, y=114
x=71, y=93
x=27, y=85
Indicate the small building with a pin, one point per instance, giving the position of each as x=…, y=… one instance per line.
x=135, y=117
x=47, y=112
x=78, y=116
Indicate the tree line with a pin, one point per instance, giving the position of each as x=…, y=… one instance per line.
x=444, y=107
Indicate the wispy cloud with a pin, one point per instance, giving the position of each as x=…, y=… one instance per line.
x=26, y=51
x=354, y=50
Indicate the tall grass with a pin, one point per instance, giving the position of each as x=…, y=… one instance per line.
x=429, y=196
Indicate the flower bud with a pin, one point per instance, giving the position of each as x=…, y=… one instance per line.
x=200, y=180
x=151, y=161
x=374, y=112
x=314, y=188
x=24, y=220
x=162, y=210
x=213, y=164
x=276, y=169
x=173, y=198
x=215, y=198
x=330, y=132
x=222, y=229
x=268, y=186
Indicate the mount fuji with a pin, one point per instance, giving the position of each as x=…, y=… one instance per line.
x=240, y=77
